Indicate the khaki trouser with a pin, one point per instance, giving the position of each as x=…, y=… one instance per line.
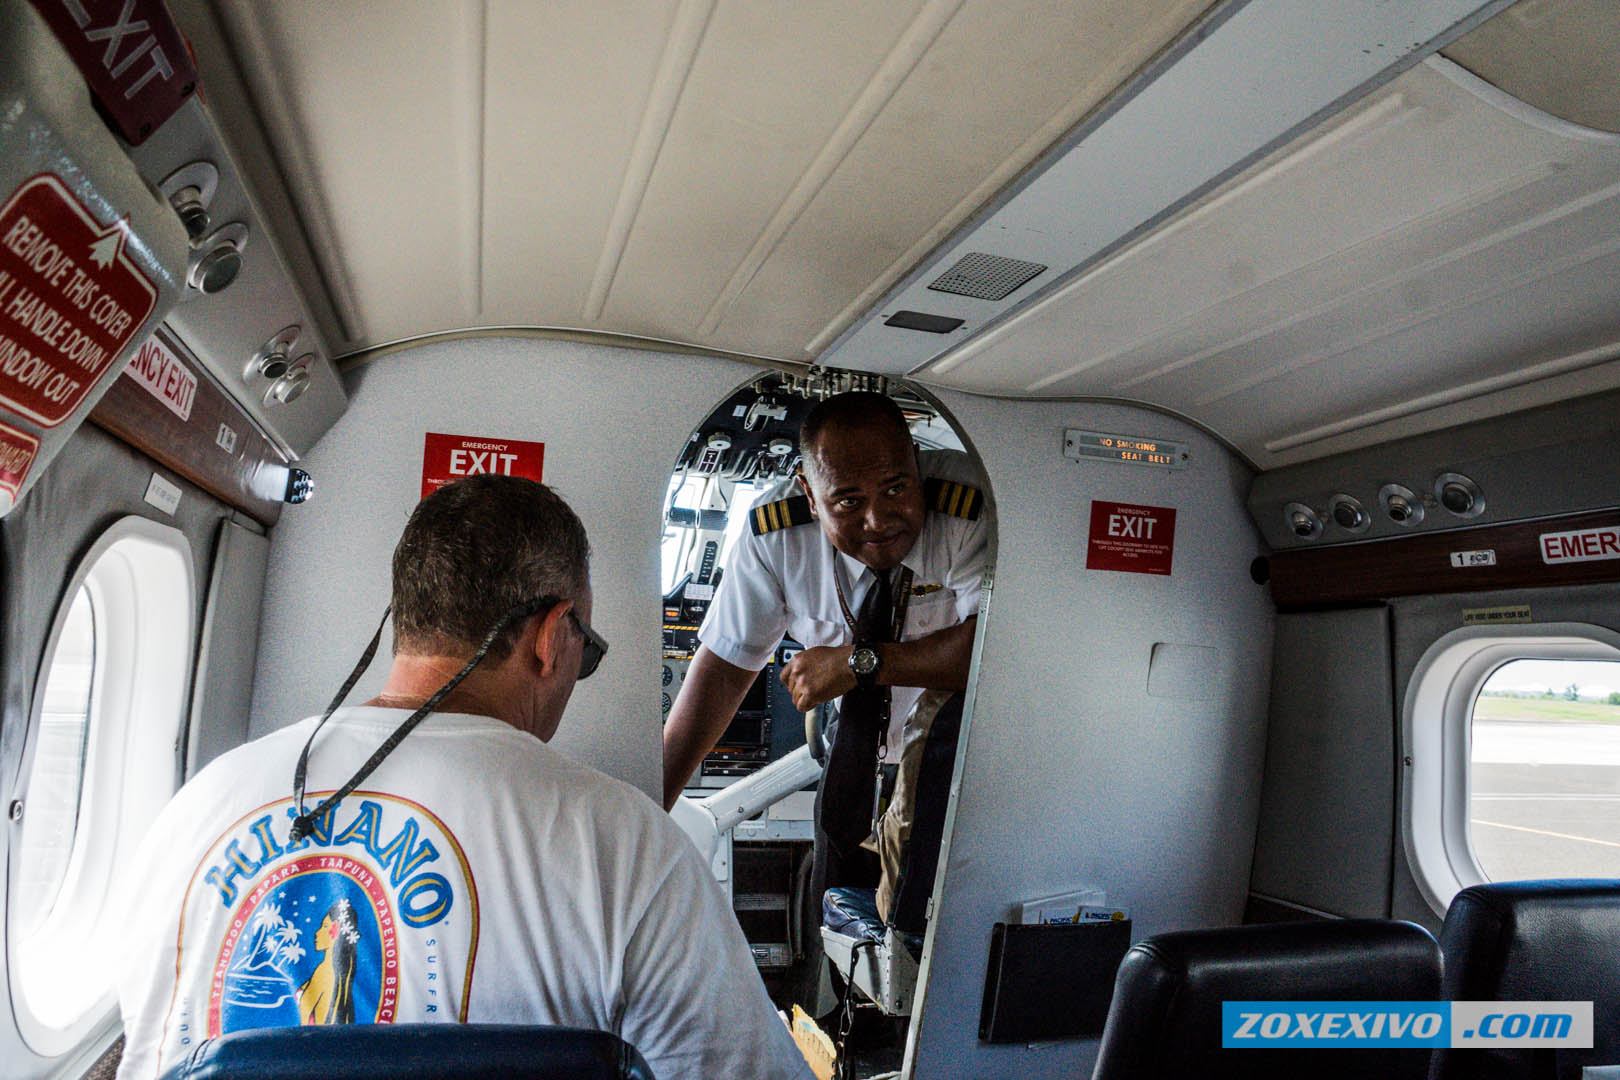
x=894, y=827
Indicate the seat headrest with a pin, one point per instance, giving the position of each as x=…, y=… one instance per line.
x=1534, y=941
x=1504, y=940
x=1165, y=1020
x=393, y=1051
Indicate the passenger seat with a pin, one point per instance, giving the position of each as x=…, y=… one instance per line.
x=1534, y=941
x=413, y=1051
x=1165, y=1020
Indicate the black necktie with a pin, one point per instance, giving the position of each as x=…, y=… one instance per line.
x=849, y=786
x=875, y=623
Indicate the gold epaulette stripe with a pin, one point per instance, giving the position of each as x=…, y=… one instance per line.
x=950, y=497
x=769, y=517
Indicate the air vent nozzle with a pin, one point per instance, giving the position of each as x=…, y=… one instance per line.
x=1459, y=494
x=1303, y=522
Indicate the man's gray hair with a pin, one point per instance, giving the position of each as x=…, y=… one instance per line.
x=473, y=551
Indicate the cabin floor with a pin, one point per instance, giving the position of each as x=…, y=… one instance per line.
x=875, y=1043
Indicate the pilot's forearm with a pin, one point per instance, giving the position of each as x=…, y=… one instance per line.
x=709, y=697
x=938, y=661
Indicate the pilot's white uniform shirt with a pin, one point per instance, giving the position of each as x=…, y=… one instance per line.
x=478, y=875
x=783, y=582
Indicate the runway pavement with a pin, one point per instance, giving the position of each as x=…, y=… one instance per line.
x=1546, y=799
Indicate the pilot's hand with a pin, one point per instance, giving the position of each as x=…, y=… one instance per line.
x=818, y=675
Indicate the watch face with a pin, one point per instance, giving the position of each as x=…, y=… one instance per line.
x=863, y=661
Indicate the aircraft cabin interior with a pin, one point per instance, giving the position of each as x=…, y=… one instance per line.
x=1284, y=340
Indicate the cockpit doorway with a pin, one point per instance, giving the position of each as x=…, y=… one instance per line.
x=734, y=476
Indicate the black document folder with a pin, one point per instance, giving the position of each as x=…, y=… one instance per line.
x=1051, y=982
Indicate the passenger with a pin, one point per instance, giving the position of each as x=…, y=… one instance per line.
x=863, y=482
x=471, y=874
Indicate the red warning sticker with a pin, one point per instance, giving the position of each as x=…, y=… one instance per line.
x=446, y=458
x=1135, y=539
x=162, y=374
x=17, y=452
x=70, y=300
x=1581, y=545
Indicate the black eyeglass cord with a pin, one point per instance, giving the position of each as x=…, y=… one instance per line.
x=304, y=823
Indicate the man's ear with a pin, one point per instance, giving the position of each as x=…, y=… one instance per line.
x=550, y=636
x=804, y=486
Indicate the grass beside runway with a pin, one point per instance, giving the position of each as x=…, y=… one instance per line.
x=1494, y=707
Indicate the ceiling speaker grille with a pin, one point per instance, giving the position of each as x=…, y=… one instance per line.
x=986, y=277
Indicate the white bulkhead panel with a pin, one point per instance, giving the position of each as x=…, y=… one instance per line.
x=1079, y=769
x=613, y=422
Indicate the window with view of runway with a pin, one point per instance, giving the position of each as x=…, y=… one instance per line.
x=1544, y=770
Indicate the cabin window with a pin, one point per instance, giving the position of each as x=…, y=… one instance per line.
x=1544, y=770
x=1513, y=757
x=57, y=779
x=695, y=493
x=109, y=711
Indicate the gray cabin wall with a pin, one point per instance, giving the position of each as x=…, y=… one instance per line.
x=613, y=422
x=1327, y=808
x=1074, y=773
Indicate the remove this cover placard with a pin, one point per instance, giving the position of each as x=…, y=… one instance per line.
x=447, y=458
x=70, y=300
x=1135, y=539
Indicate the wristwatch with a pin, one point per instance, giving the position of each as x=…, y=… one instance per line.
x=864, y=662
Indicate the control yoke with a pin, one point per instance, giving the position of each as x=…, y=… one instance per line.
x=704, y=820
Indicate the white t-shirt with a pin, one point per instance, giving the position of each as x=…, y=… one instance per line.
x=478, y=876
x=786, y=582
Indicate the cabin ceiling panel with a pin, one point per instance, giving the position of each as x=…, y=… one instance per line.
x=728, y=174
x=996, y=87
x=566, y=87
x=372, y=110
x=1558, y=55
x=769, y=85
x=1436, y=241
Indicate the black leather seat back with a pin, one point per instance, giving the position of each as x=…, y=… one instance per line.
x=1535, y=941
x=403, y=1051
x=1165, y=1020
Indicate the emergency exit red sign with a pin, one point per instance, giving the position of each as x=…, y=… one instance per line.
x=132, y=56
x=448, y=458
x=1132, y=538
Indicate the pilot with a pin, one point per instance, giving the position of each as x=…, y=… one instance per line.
x=436, y=860
x=871, y=559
